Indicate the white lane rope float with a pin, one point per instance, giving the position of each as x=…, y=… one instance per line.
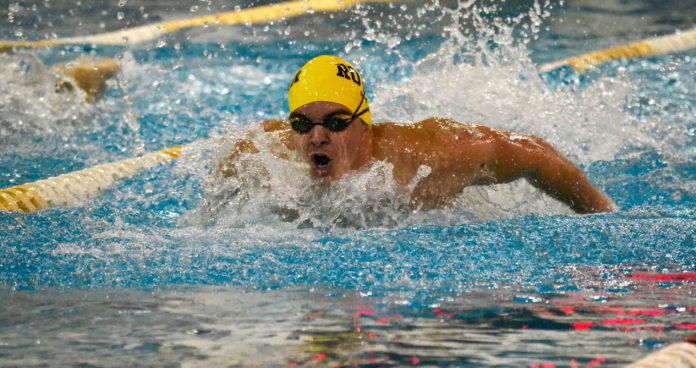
x=679, y=355
x=249, y=16
x=74, y=188
x=663, y=45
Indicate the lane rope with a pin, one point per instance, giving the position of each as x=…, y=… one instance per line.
x=682, y=354
x=74, y=188
x=255, y=15
x=663, y=45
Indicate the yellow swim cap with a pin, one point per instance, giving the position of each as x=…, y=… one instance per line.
x=331, y=79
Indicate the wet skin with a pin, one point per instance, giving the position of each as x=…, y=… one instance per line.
x=89, y=74
x=458, y=155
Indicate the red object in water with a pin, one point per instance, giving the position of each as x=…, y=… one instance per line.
x=597, y=362
x=415, y=360
x=364, y=312
x=543, y=365
x=582, y=326
x=319, y=357
x=568, y=310
x=651, y=313
x=440, y=313
x=685, y=326
x=627, y=321
x=664, y=277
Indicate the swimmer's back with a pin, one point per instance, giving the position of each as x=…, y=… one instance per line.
x=455, y=155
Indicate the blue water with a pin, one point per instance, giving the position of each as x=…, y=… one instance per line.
x=630, y=125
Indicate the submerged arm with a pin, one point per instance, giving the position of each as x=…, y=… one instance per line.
x=548, y=170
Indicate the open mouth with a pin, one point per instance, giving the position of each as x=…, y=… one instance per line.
x=320, y=160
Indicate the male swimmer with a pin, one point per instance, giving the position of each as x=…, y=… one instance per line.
x=330, y=127
x=89, y=74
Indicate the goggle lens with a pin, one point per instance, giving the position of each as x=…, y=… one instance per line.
x=334, y=123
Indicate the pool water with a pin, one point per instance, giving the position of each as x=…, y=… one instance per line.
x=168, y=269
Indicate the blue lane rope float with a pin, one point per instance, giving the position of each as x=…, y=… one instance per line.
x=74, y=188
x=255, y=15
x=663, y=45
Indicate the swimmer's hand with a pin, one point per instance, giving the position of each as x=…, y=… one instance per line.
x=278, y=128
x=227, y=167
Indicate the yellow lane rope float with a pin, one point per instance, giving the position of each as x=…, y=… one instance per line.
x=74, y=188
x=255, y=15
x=663, y=45
x=679, y=355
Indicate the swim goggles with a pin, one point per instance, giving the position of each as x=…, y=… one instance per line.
x=334, y=123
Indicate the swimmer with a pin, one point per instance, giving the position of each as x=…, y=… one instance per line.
x=330, y=127
x=37, y=99
x=88, y=74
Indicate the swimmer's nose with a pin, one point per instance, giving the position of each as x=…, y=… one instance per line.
x=318, y=136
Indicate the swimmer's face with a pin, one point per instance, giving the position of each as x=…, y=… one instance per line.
x=331, y=154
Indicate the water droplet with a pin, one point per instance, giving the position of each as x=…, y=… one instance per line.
x=194, y=8
x=310, y=10
x=393, y=41
x=120, y=15
x=161, y=43
x=18, y=32
x=122, y=3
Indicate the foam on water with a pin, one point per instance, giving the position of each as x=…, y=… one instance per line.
x=488, y=78
x=30, y=102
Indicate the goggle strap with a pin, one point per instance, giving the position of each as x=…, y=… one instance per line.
x=361, y=113
x=357, y=114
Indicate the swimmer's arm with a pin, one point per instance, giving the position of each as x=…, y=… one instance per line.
x=532, y=158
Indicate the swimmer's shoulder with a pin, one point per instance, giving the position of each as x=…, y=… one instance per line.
x=432, y=130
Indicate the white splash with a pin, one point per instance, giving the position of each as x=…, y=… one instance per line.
x=31, y=102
